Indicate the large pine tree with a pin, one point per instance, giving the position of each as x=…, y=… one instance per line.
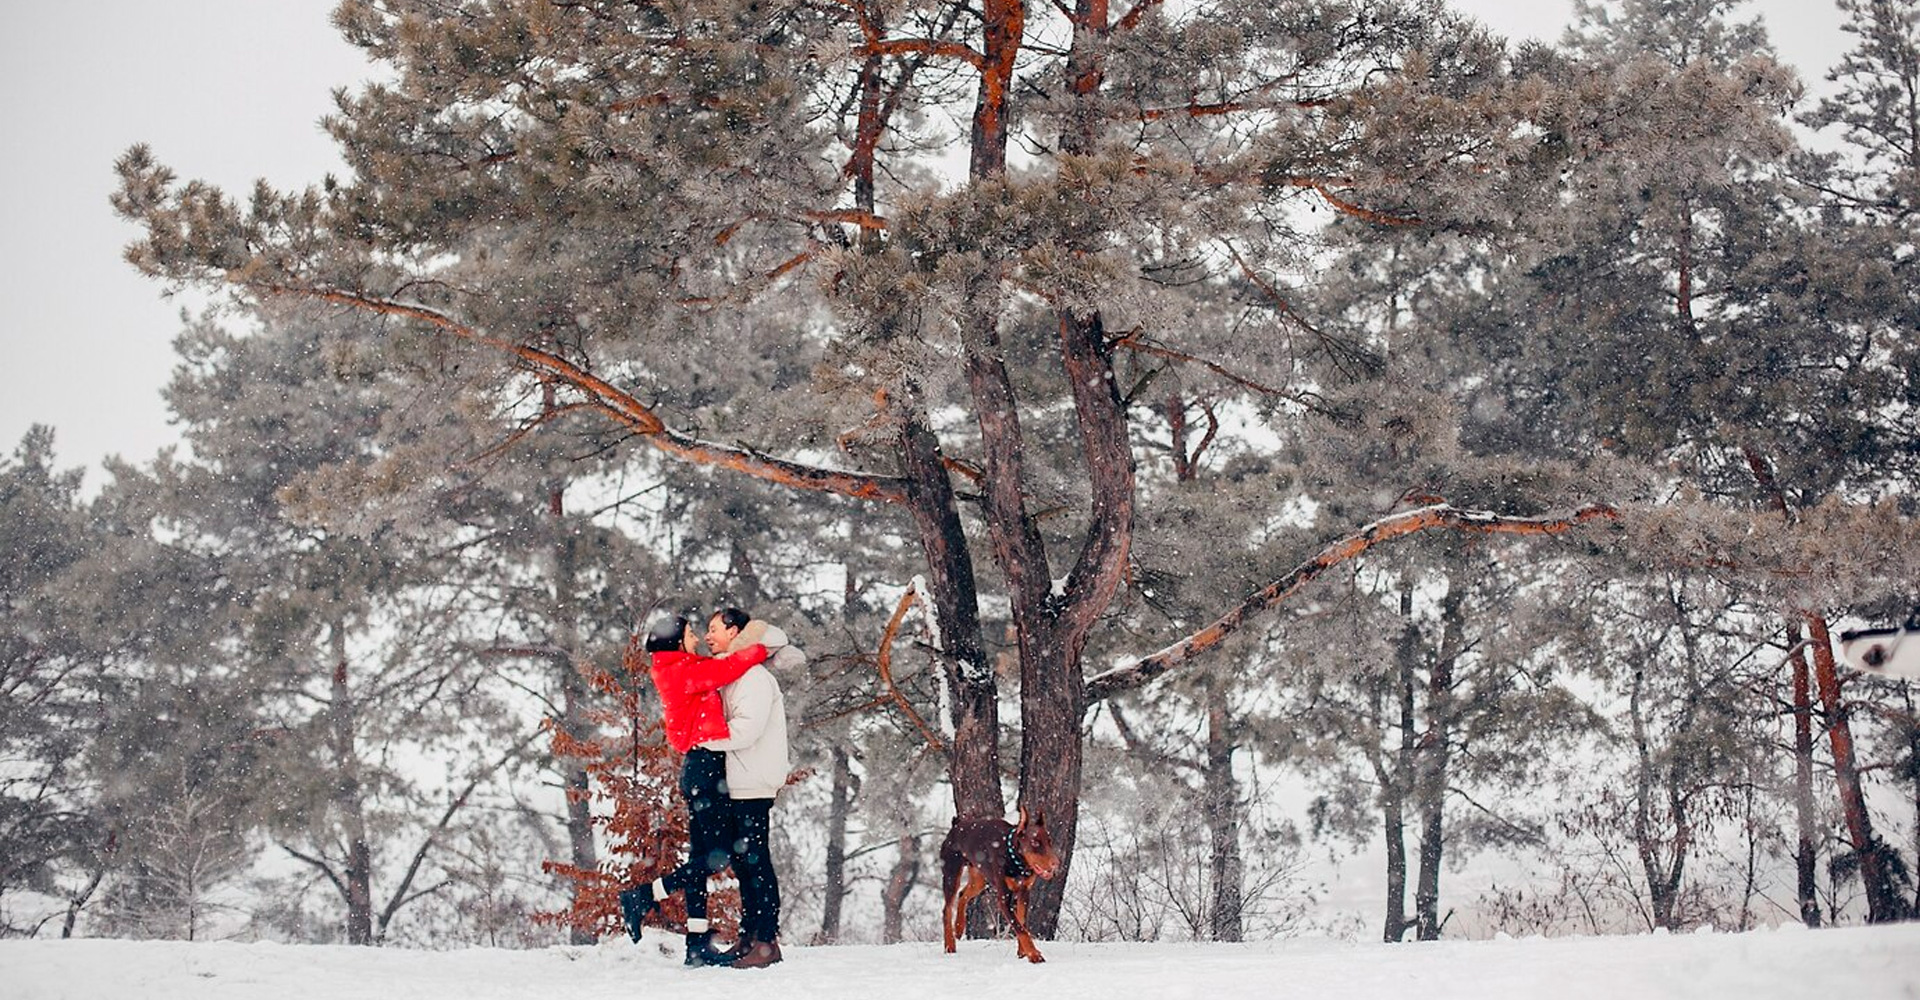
x=731, y=230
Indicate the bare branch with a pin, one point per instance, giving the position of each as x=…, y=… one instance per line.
x=884, y=665
x=325, y=869
x=400, y=897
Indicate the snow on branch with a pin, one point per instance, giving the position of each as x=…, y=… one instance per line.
x=1143, y=671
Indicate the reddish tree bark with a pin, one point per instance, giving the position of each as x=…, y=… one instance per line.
x=1884, y=901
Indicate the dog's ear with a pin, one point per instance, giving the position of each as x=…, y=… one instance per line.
x=1023, y=819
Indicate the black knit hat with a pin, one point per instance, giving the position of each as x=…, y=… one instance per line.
x=667, y=634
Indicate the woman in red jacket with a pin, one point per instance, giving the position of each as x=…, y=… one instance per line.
x=689, y=686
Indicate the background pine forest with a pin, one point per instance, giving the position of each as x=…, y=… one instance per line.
x=1250, y=432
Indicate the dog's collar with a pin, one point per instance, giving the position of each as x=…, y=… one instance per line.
x=1017, y=866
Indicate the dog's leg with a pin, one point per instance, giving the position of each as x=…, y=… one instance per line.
x=950, y=873
x=976, y=884
x=1013, y=903
x=1028, y=950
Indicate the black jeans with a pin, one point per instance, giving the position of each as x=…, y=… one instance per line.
x=753, y=865
x=703, y=780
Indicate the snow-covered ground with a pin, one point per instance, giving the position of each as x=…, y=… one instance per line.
x=1849, y=963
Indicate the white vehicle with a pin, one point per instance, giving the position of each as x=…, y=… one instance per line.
x=1889, y=652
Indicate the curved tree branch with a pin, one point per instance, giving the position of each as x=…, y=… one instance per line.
x=1142, y=671
x=620, y=405
x=884, y=664
x=325, y=868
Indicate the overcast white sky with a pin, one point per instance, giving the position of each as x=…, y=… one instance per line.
x=230, y=91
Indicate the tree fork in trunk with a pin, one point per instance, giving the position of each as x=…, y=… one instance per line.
x=1054, y=628
x=973, y=765
x=1050, y=685
x=1220, y=802
x=1663, y=879
x=1053, y=688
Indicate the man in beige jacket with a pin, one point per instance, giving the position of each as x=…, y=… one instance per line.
x=758, y=761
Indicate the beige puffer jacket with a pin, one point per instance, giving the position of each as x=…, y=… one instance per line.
x=756, y=745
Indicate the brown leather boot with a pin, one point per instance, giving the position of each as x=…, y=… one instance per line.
x=760, y=955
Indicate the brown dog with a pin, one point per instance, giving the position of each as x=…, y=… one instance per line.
x=1007, y=856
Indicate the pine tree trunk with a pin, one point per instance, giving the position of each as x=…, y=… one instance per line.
x=1426, y=894
x=1436, y=748
x=1884, y=901
x=973, y=702
x=1913, y=756
x=973, y=693
x=579, y=792
x=1393, y=821
x=1225, y=914
x=1806, y=850
x=1220, y=804
x=900, y=882
x=357, y=879
x=359, y=876
x=1394, y=783
x=1662, y=879
x=839, y=804
x=575, y=693
x=1003, y=22
x=1051, y=692
x=1806, y=846
x=78, y=901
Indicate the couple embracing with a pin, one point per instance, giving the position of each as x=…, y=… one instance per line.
x=728, y=716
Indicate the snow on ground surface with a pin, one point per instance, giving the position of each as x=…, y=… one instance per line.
x=1849, y=963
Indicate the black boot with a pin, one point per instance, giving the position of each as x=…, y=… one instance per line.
x=635, y=904
x=700, y=951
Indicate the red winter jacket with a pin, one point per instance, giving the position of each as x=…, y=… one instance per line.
x=690, y=692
